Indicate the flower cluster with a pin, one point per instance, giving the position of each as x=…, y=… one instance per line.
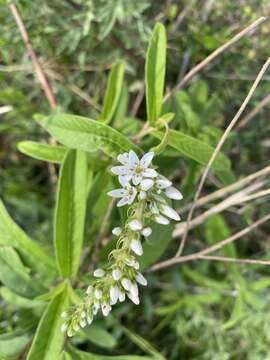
x=145, y=191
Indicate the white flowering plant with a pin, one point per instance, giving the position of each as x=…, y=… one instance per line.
x=79, y=282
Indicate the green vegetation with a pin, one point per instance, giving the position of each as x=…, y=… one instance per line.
x=112, y=64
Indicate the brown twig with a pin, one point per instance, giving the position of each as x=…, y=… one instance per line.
x=200, y=254
x=216, y=151
x=234, y=260
x=213, y=55
x=39, y=71
x=265, y=101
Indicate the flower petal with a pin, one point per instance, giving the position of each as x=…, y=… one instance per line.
x=123, y=201
x=132, y=196
x=136, y=179
x=135, y=225
x=150, y=173
x=172, y=193
x=146, y=159
x=123, y=179
x=133, y=159
x=123, y=158
x=120, y=170
x=163, y=183
x=141, y=279
x=118, y=193
x=146, y=184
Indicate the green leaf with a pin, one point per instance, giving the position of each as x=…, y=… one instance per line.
x=14, y=275
x=113, y=92
x=70, y=212
x=13, y=344
x=143, y=344
x=81, y=355
x=11, y=298
x=81, y=133
x=49, y=338
x=155, y=68
x=44, y=152
x=155, y=245
x=99, y=336
x=194, y=149
x=12, y=235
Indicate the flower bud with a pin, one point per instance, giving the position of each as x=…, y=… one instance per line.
x=161, y=220
x=141, y=279
x=122, y=296
x=114, y=294
x=126, y=283
x=89, y=290
x=98, y=294
x=172, y=193
x=98, y=273
x=134, y=298
x=147, y=231
x=135, y=225
x=117, y=231
x=169, y=212
x=136, y=246
x=106, y=308
x=116, y=274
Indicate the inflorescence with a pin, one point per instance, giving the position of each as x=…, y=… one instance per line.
x=145, y=191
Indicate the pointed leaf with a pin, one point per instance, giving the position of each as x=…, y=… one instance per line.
x=49, y=338
x=113, y=92
x=14, y=275
x=70, y=212
x=155, y=68
x=45, y=152
x=195, y=149
x=12, y=235
x=82, y=133
x=12, y=344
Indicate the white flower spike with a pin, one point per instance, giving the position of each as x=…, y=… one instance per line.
x=145, y=192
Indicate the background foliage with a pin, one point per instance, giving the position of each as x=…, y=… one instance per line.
x=202, y=310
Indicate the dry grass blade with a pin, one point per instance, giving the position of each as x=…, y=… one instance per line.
x=217, y=149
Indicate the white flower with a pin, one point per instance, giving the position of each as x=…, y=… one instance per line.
x=141, y=279
x=127, y=195
x=89, y=320
x=135, y=225
x=70, y=333
x=116, y=274
x=114, y=294
x=153, y=208
x=106, y=308
x=98, y=294
x=117, y=231
x=147, y=231
x=169, y=212
x=98, y=273
x=134, y=298
x=134, y=169
x=161, y=220
x=136, y=246
x=126, y=283
x=96, y=308
x=172, y=193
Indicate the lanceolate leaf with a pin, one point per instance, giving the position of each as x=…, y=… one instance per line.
x=12, y=344
x=81, y=133
x=81, y=355
x=49, y=338
x=12, y=235
x=54, y=154
x=70, y=212
x=194, y=149
x=113, y=92
x=14, y=275
x=155, y=68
